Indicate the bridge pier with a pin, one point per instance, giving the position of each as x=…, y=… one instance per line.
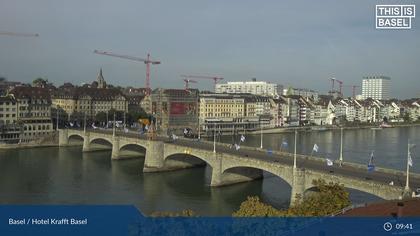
x=233, y=175
x=86, y=143
x=63, y=137
x=115, y=148
x=154, y=159
x=298, y=186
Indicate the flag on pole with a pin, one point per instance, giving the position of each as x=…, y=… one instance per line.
x=329, y=162
x=125, y=130
x=237, y=147
x=242, y=138
x=93, y=126
x=284, y=144
x=316, y=148
x=410, y=161
x=174, y=137
x=269, y=152
x=71, y=124
x=371, y=166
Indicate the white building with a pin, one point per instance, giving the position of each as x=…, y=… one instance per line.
x=306, y=93
x=376, y=87
x=261, y=88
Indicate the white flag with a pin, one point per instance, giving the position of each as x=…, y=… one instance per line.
x=93, y=126
x=315, y=149
x=237, y=146
x=125, y=130
x=71, y=124
x=242, y=138
x=329, y=162
x=410, y=161
x=174, y=137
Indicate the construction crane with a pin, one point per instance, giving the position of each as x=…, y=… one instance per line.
x=214, y=78
x=340, y=84
x=187, y=83
x=332, y=84
x=18, y=34
x=146, y=61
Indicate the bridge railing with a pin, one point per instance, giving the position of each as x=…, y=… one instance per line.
x=276, y=152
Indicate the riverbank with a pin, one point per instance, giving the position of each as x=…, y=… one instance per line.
x=320, y=128
x=46, y=141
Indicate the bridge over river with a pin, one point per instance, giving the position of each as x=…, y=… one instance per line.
x=230, y=166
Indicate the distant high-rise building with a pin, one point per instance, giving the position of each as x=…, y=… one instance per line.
x=261, y=88
x=376, y=87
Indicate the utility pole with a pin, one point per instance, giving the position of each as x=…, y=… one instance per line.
x=341, y=147
x=294, y=156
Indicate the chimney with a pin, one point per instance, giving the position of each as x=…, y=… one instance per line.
x=400, y=209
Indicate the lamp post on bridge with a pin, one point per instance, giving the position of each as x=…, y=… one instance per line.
x=214, y=137
x=294, y=156
x=113, y=127
x=341, y=147
x=199, y=136
x=261, y=145
x=84, y=124
x=56, y=124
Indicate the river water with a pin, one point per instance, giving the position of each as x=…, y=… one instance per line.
x=67, y=176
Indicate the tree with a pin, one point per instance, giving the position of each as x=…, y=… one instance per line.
x=39, y=82
x=101, y=116
x=331, y=198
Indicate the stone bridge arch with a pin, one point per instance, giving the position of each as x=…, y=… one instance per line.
x=179, y=157
x=247, y=169
x=386, y=192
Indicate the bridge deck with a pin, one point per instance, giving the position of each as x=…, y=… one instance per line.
x=309, y=163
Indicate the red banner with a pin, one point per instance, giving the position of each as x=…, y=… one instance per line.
x=178, y=108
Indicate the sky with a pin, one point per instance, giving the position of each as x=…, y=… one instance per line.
x=299, y=43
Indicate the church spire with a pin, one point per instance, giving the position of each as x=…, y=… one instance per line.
x=101, y=80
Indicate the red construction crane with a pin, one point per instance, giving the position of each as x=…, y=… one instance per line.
x=18, y=34
x=187, y=82
x=341, y=85
x=214, y=78
x=146, y=61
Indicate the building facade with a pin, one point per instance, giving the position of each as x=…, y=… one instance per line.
x=79, y=101
x=33, y=112
x=376, y=87
x=261, y=88
x=9, y=127
x=175, y=110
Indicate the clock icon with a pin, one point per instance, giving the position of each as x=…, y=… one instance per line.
x=387, y=226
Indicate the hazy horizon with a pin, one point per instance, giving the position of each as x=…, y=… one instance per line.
x=294, y=43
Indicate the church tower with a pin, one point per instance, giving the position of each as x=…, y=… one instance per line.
x=101, y=80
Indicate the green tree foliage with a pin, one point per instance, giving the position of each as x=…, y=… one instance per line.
x=101, y=116
x=39, y=82
x=254, y=207
x=184, y=213
x=331, y=198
